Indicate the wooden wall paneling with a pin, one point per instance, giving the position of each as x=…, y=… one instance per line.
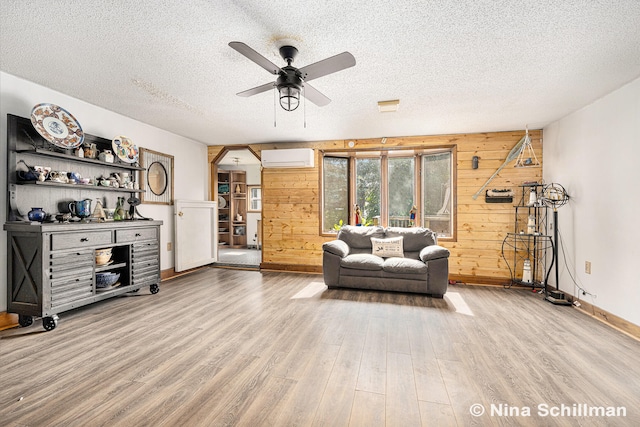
x=291, y=202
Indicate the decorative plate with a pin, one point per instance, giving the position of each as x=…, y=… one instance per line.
x=222, y=202
x=57, y=126
x=125, y=149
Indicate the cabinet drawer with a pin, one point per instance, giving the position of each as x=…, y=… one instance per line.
x=70, y=271
x=144, y=268
x=144, y=257
x=70, y=260
x=123, y=236
x=140, y=248
x=59, y=285
x=146, y=278
x=80, y=239
x=70, y=295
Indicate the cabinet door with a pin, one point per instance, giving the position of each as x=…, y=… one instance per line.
x=145, y=263
x=70, y=277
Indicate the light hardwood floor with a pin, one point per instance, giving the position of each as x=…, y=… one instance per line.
x=230, y=347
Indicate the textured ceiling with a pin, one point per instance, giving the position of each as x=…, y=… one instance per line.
x=456, y=66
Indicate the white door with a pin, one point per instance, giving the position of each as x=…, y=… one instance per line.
x=196, y=233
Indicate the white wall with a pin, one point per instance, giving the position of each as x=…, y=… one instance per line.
x=18, y=96
x=595, y=154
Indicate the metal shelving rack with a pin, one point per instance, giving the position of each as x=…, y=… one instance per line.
x=529, y=242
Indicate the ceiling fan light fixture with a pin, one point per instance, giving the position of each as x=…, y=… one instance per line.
x=289, y=97
x=388, y=106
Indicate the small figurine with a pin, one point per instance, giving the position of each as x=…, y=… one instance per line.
x=98, y=212
x=412, y=215
x=358, y=216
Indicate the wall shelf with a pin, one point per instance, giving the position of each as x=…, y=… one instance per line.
x=232, y=185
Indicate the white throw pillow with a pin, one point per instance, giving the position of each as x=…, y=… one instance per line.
x=387, y=248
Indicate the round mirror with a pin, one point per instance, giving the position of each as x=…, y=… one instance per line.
x=157, y=178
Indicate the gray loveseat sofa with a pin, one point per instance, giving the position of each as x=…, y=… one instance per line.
x=422, y=266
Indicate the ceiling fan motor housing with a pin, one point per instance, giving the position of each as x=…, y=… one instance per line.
x=288, y=53
x=289, y=78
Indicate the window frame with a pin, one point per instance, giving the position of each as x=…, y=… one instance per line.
x=384, y=154
x=252, y=199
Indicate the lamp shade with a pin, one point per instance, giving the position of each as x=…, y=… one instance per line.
x=289, y=97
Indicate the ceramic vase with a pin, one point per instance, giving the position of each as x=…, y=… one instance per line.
x=36, y=214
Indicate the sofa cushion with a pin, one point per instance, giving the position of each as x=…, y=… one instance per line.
x=386, y=248
x=415, y=238
x=362, y=262
x=404, y=266
x=336, y=247
x=434, y=252
x=360, y=237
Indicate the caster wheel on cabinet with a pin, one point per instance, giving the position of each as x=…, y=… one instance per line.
x=49, y=323
x=25, y=321
x=154, y=289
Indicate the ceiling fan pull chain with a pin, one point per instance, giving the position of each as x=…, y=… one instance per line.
x=304, y=105
x=275, y=101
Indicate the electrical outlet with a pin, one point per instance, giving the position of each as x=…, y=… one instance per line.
x=587, y=267
x=169, y=246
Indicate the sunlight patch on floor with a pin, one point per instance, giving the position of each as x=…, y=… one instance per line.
x=311, y=290
x=458, y=303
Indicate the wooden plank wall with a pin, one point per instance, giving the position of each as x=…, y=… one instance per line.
x=291, y=211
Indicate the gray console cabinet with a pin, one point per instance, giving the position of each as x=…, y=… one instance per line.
x=51, y=267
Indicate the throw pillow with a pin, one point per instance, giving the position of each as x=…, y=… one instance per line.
x=387, y=248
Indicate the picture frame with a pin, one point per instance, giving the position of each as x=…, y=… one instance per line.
x=157, y=178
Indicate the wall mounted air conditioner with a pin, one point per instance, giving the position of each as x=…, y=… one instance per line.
x=288, y=158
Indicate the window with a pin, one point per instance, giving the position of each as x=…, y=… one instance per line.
x=399, y=188
x=255, y=198
x=368, y=180
x=335, y=194
x=437, y=206
x=401, y=191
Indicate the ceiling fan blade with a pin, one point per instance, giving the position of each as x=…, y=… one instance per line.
x=314, y=95
x=255, y=57
x=256, y=90
x=327, y=66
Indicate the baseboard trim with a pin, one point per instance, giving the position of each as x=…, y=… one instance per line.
x=170, y=273
x=479, y=280
x=291, y=268
x=607, y=318
x=8, y=320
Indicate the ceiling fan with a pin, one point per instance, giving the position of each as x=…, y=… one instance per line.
x=292, y=81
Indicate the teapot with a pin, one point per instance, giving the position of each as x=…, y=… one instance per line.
x=74, y=177
x=81, y=208
x=31, y=174
x=59, y=176
x=90, y=150
x=118, y=179
x=106, y=156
